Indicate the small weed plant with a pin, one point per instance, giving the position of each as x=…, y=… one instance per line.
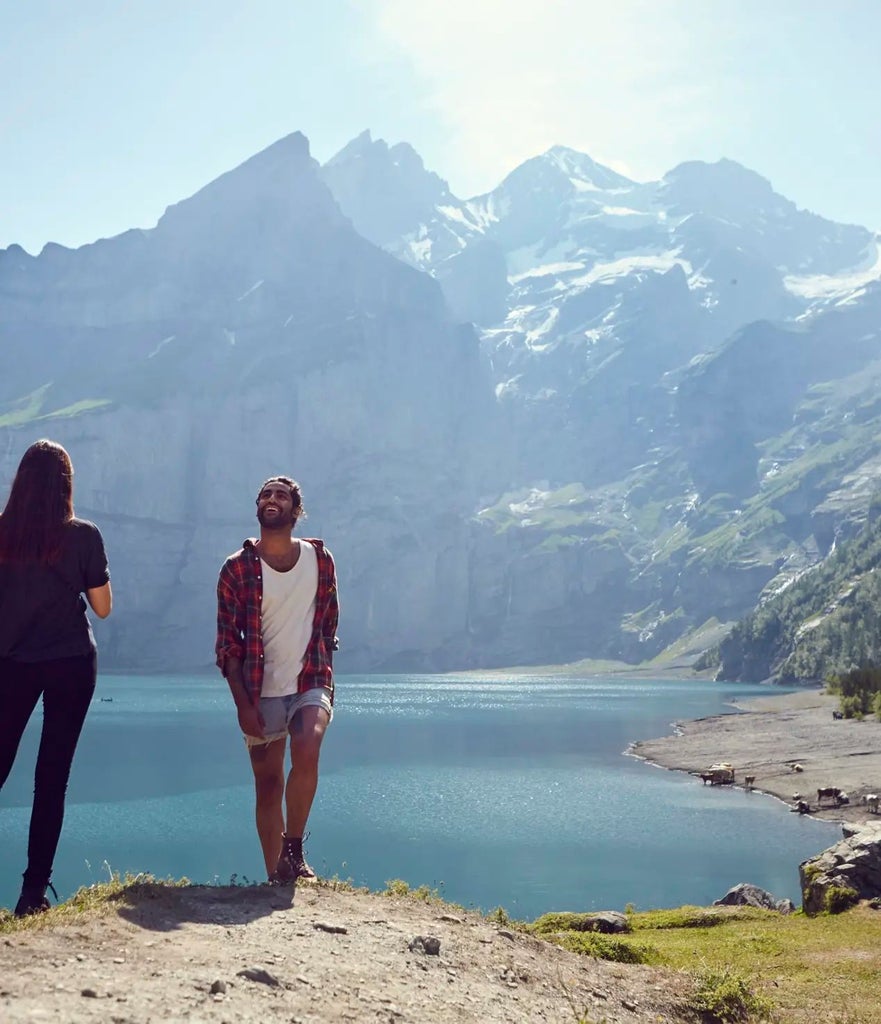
x=724, y=997
x=500, y=917
x=398, y=887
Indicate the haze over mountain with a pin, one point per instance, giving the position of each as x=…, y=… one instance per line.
x=576, y=416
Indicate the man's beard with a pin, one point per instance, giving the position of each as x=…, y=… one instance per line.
x=276, y=522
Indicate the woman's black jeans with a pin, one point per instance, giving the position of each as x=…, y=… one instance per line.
x=66, y=685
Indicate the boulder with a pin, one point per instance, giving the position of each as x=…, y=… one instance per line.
x=746, y=895
x=607, y=922
x=847, y=872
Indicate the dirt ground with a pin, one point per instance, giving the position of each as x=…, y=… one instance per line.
x=770, y=738
x=262, y=954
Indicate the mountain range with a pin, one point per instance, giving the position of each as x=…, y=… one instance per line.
x=576, y=417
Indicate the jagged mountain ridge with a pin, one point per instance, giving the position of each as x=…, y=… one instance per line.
x=559, y=488
x=626, y=367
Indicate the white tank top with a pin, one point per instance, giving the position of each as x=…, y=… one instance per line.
x=287, y=611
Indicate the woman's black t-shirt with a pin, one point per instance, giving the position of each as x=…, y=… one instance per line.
x=42, y=610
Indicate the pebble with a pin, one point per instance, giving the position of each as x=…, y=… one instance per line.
x=429, y=944
x=259, y=975
x=334, y=929
x=89, y=993
x=218, y=987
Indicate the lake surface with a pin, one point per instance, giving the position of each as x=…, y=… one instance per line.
x=514, y=794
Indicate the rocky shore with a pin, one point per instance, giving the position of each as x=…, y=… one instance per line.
x=790, y=743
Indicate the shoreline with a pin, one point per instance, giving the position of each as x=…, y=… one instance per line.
x=767, y=736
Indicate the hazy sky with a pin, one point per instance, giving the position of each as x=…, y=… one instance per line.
x=110, y=110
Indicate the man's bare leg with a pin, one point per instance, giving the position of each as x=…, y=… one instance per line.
x=306, y=731
x=267, y=762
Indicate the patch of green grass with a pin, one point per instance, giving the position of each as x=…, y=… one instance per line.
x=25, y=409
x=499, y=916
x=556, y=542
x=692, y=917
x=337, y=884
x=605, y=947
x=29, y=408
x=97, y=898
x=813, y=969
x=77, y=408
x=724, y=997
x=398, y=887
x=840, y=898
x=560, y=510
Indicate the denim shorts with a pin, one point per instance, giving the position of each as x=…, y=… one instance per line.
x=278, y=713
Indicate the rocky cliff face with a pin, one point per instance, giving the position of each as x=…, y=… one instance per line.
x=253, y=331
x=618, y=453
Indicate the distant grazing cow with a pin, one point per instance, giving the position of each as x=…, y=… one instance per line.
x=837, y=714
x=749, y=781
x=802, y=807
x=797, y=768
x=829, y=793
x=871, y=802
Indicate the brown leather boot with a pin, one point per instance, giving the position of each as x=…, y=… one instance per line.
x=292, y=863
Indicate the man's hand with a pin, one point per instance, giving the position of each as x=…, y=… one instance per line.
x=251, y=722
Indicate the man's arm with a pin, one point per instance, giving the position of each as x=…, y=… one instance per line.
x=332, y=614
x=230, y=652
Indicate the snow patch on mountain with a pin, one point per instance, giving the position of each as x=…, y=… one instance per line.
x=837, y=286
x=654, y=262
x=546, y=270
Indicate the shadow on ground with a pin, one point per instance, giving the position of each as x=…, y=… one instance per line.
x=163, y=908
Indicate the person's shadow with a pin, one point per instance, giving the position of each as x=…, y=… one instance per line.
x=165, y=906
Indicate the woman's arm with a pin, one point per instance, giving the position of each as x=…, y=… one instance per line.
x=101, y=600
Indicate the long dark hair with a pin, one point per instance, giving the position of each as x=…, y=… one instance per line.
x=40, y=505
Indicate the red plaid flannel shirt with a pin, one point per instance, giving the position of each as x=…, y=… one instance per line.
x=239, y=624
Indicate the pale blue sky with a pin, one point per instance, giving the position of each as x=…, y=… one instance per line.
x=111, y=111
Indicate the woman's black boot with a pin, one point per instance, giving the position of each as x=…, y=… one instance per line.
x=33, y=899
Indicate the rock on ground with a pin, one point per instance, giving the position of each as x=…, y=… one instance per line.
x=846, y=872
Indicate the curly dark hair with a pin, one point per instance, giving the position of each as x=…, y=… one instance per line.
x=299, y=512
x=40, y=505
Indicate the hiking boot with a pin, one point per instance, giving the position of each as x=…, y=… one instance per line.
x=33, y=900
x=291, y=864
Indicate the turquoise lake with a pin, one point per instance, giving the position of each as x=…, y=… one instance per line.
x=498, y=793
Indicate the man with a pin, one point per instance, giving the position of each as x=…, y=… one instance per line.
x=277, y=614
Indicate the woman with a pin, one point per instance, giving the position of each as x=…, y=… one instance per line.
x=48, y=559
